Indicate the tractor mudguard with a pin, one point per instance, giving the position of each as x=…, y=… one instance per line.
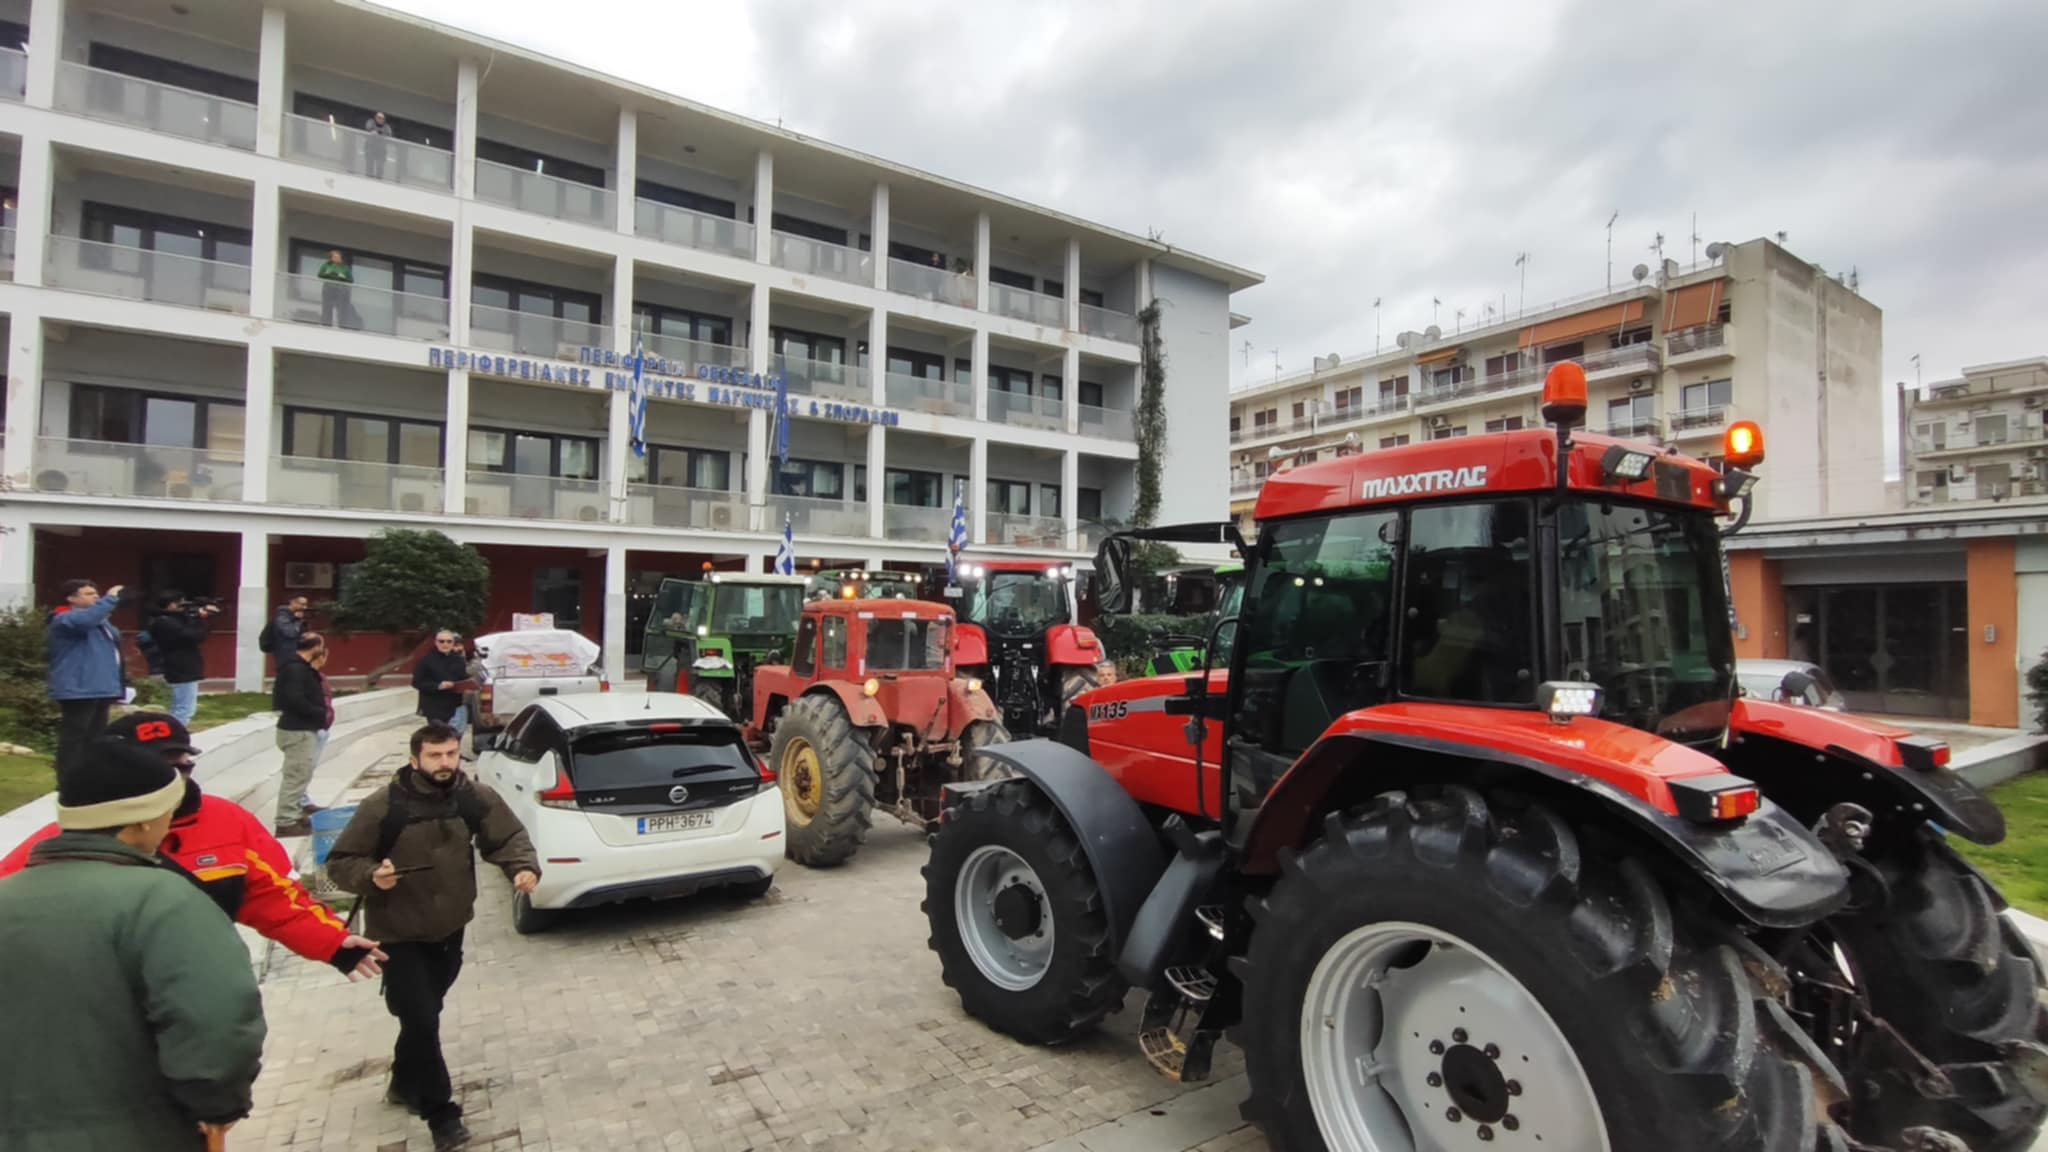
x=970, y=646
x=1122, y=849
x=1067, y=645
x=969, y=707
x=1810, y=759
x=1768, y=866
x=861, y=709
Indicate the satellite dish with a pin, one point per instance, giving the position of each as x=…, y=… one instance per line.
x=1332, y=359
x=1433, y=333
x=1640, y=272
x=1716, y=250
x=1403, y=339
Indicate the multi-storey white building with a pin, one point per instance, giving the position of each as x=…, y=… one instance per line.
x=1752, y=333
x=191, y=403
x=1981, y=437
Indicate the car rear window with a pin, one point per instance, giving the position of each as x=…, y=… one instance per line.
x=636, y=758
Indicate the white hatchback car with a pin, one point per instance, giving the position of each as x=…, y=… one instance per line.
x=632, y=796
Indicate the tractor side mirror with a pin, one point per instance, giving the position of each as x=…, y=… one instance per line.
x=1112, y=575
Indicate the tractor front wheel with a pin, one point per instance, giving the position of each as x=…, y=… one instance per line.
x=1444, y=972
x=828, y=781
x=979, y=735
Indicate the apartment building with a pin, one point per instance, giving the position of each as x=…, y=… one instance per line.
x=1983, y=436
x=198, y=398
x=1753, y=332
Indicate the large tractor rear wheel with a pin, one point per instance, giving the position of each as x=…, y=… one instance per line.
x=828, y=781
x=1441, y=973
x=1075, y=680
x=979, y=735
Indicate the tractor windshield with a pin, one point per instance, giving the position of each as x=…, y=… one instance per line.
x=908, y=645
x=1645, y=615
x=1017, y=603
x=744, y=609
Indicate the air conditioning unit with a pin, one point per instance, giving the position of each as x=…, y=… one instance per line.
x=588, y=507
x=1639, y=384
x=413, y=495
x=1439, y=421
x=721, y=516
x=2033, y=401
x=302, y=574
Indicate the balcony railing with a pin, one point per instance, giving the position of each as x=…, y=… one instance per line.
x=672, y=225
x=1690, y=420
x=1027, y=411
x=140, y=274
x=332, y=145
x=685, y=355
x=1978, y=440
x=1109, y=325
x=544, y=195
x=1027, y=531
x=827, y=380
x=809, y=257
x=105, y=95
x=812, y=517
x=143, y=471
x=705, y=509
x=13, y=73
x=361, y=308
x=313, y=482
x=1245, y=485
x=1630, y=358
x=925, y=394
x=7, y=252
x=928, y=283
x=533, y=335
x=1112, y=423
x=1700, y=339
x=1652, y=429
x=1024, y=304
x=918, y=525
x=536, y=497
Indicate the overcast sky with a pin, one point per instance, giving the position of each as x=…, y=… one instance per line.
x=1406, y=151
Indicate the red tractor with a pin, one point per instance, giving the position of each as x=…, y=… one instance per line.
x=1474, y=841
x=869, y=711
x=1038, y=658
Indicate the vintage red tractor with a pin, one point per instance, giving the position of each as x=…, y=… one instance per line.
x=869, y=712
x=1474, y=843
x=1038, y=659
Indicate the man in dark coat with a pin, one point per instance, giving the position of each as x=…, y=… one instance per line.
x=300, y=698
x=438, y=678
x=178, y=630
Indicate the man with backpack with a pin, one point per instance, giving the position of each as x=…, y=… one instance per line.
x=170, y=641
x=410, y=852
x=280, y=637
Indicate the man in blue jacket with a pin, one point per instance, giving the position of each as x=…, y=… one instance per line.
x=86, y=678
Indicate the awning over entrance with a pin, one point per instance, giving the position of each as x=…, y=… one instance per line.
x=1610, y=319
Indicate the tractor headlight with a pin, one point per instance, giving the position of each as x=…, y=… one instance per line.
x=973, y=684
x=1563, y=699
x=1625, y=463
x=703, y=630
x=871, y=687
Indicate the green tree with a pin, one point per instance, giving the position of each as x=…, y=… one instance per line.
x=27, y=715
x=2037, y=691
x=412, y=584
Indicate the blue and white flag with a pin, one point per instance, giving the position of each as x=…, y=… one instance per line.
x=636, y=414
x=785, y=556
x=782, y=419
x=957, y=541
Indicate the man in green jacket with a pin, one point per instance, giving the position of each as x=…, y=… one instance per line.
x=410, y=852
x=130, y=1011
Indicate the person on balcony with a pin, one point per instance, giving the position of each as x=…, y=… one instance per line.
x=335, y=279
x=376, y=146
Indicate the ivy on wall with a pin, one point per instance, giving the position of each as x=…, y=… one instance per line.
x=1151, y=415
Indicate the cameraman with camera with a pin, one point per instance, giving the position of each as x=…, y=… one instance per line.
x=176, y=631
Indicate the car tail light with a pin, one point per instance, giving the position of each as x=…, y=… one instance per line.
x=561, y=793
x=604, y=685
x=664, y=727
x=1716, y=799
x=768, y=777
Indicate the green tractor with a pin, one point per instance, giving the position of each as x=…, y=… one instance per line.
x=862, y=584
x=706, y=637
x=1181, y=654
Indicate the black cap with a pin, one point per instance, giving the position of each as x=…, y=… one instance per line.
x=156, y=731
x=114, y=784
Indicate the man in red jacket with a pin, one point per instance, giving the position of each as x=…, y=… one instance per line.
x=235, y=858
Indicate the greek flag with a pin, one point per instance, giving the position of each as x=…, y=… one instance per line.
x=781, y=419
x=636, y=414
x=958, y=540
x=785, y=556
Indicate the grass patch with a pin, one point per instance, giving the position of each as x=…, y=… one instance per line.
x=2019, y=866
x=22, y=779
x=218, y=708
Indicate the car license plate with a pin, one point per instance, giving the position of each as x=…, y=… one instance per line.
x=675, y=822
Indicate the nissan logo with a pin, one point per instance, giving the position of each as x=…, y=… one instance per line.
x=678, y=794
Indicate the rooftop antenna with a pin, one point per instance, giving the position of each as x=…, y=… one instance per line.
x=1695, y=237
x=1375, y=325
x=1610, y=248
x=1781, y=239
x=1247, y=354
x=1435, y=306
x=1276, y=364
x=1522, y=262
x=1458, y=325
x=1916, y=371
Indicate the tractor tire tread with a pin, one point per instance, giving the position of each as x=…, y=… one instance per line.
x=845, y=765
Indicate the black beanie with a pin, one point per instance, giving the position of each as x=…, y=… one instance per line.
x=113, y=784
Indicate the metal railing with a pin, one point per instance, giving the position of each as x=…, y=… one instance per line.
x=929, y=283
x=1027, y=531
x=1979, y=440
x=105, y=95
x=672, y=225
x=360, y=308
x=1026, y=411
x=1109, y=325
x=1627, y=358
x=706, y=509
x=544, y=195
x=1245, y=485
x=1700, y=339
x=143, y=471
x=329, y=144
x=827, y=380
x=817, y=258
x=522, y=497
x=683, y=355
x=141, y=274
x=533, y=335
x=920, y=525
x=316, y=482
x=1651, y=429
x=7, y=252
x=1687, y=420
x=813, y=517
x=928, y=394
x=1024, y=304
x=1113, y=423
x=13, y=74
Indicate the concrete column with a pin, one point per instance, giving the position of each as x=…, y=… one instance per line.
x=618, y=452
x=270, y=84
x=1070, y=495
x=17, y=559
x=760, y=348
x=1144, y=286
x=615, y=614
x=259, y=417
x=757, y=471
x=764, y=203
x=461, y=277
x=24, y=396
x=1073, y=282
x=1070, y=388
x=265, y=247
x=629, y=169
x=878, y=228
x=977, y=490
x=465, y=131
x=252, y=609
x=622, y=305
x=979, y=357
x=45, y=47
x=981, y=262
x=32, y=211
x=455, y=446
x=878, y=355
x=878, y=461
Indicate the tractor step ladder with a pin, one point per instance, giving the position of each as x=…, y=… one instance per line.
x=1167, y=1053
x=1211, y=916
x=1195, y=985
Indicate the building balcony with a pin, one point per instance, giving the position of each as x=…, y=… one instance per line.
x=7, y=253
x=2020, y=437
x=672, y=225
x=814, y=517
x=1651, y=430
x=702, y=509
x=808, y=257
x=826, y=380
x=364, y=485
x=928, y=283
x=1242, y=486
x=1623, y=361
x=326, y=144
x=903, y=522
x=360, y=308
x=1024, y=304
x=686, y=355
x=1696, y=422
x=1705, y=342
x=145, y=104
x=1379, y=407
x=927, y=394
x=544, y=195
x=536, y=497
x=1119, y=326
x=13, y=74
x=141, y=471
x=1027, y=531
x=140, y=274
x=529, y=334
x=1109, y=423
x=1026, y=411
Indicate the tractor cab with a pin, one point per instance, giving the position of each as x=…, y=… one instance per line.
x=1021, y=614
x=706, y=637
x=862, y=584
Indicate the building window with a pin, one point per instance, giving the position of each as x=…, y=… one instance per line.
x=1300, y=411
x=157, y=232
x=175, y=73
x=533, y=454
x=526, y=159
x=1009, y=497
x=507, y=294
x=1393, y=388
x=1509, y=424
x=1706, y=395
x=923, y=365
x=1052, y=388
x=1556, y=352
x=1931, y=437
x=1265, y=419
x=816, y=479
x=1503, y=364
x=1017, y=380
x=1011, y=279
x=1630, y=413
x=133, y=416
x=913, y=489
x=684, y=198
x=1724, y=313
x=1994, y=481
x=1451, y=375
x=1990, y=429
x=1091, y=395
x=1091, y=298
x=1350, y=399
x=798, y=226
x=1088, y=505
x=682, y=324
x=326, y=435
x=1628, y=337
x=1393, y=441
x=796, y=344
x=374, y=269
x=1049, y=500
x=709, y=469
x=355, y=116
x=1236, y=424
x=1446, y=432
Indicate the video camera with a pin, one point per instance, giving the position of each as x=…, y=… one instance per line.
x=194, y=605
